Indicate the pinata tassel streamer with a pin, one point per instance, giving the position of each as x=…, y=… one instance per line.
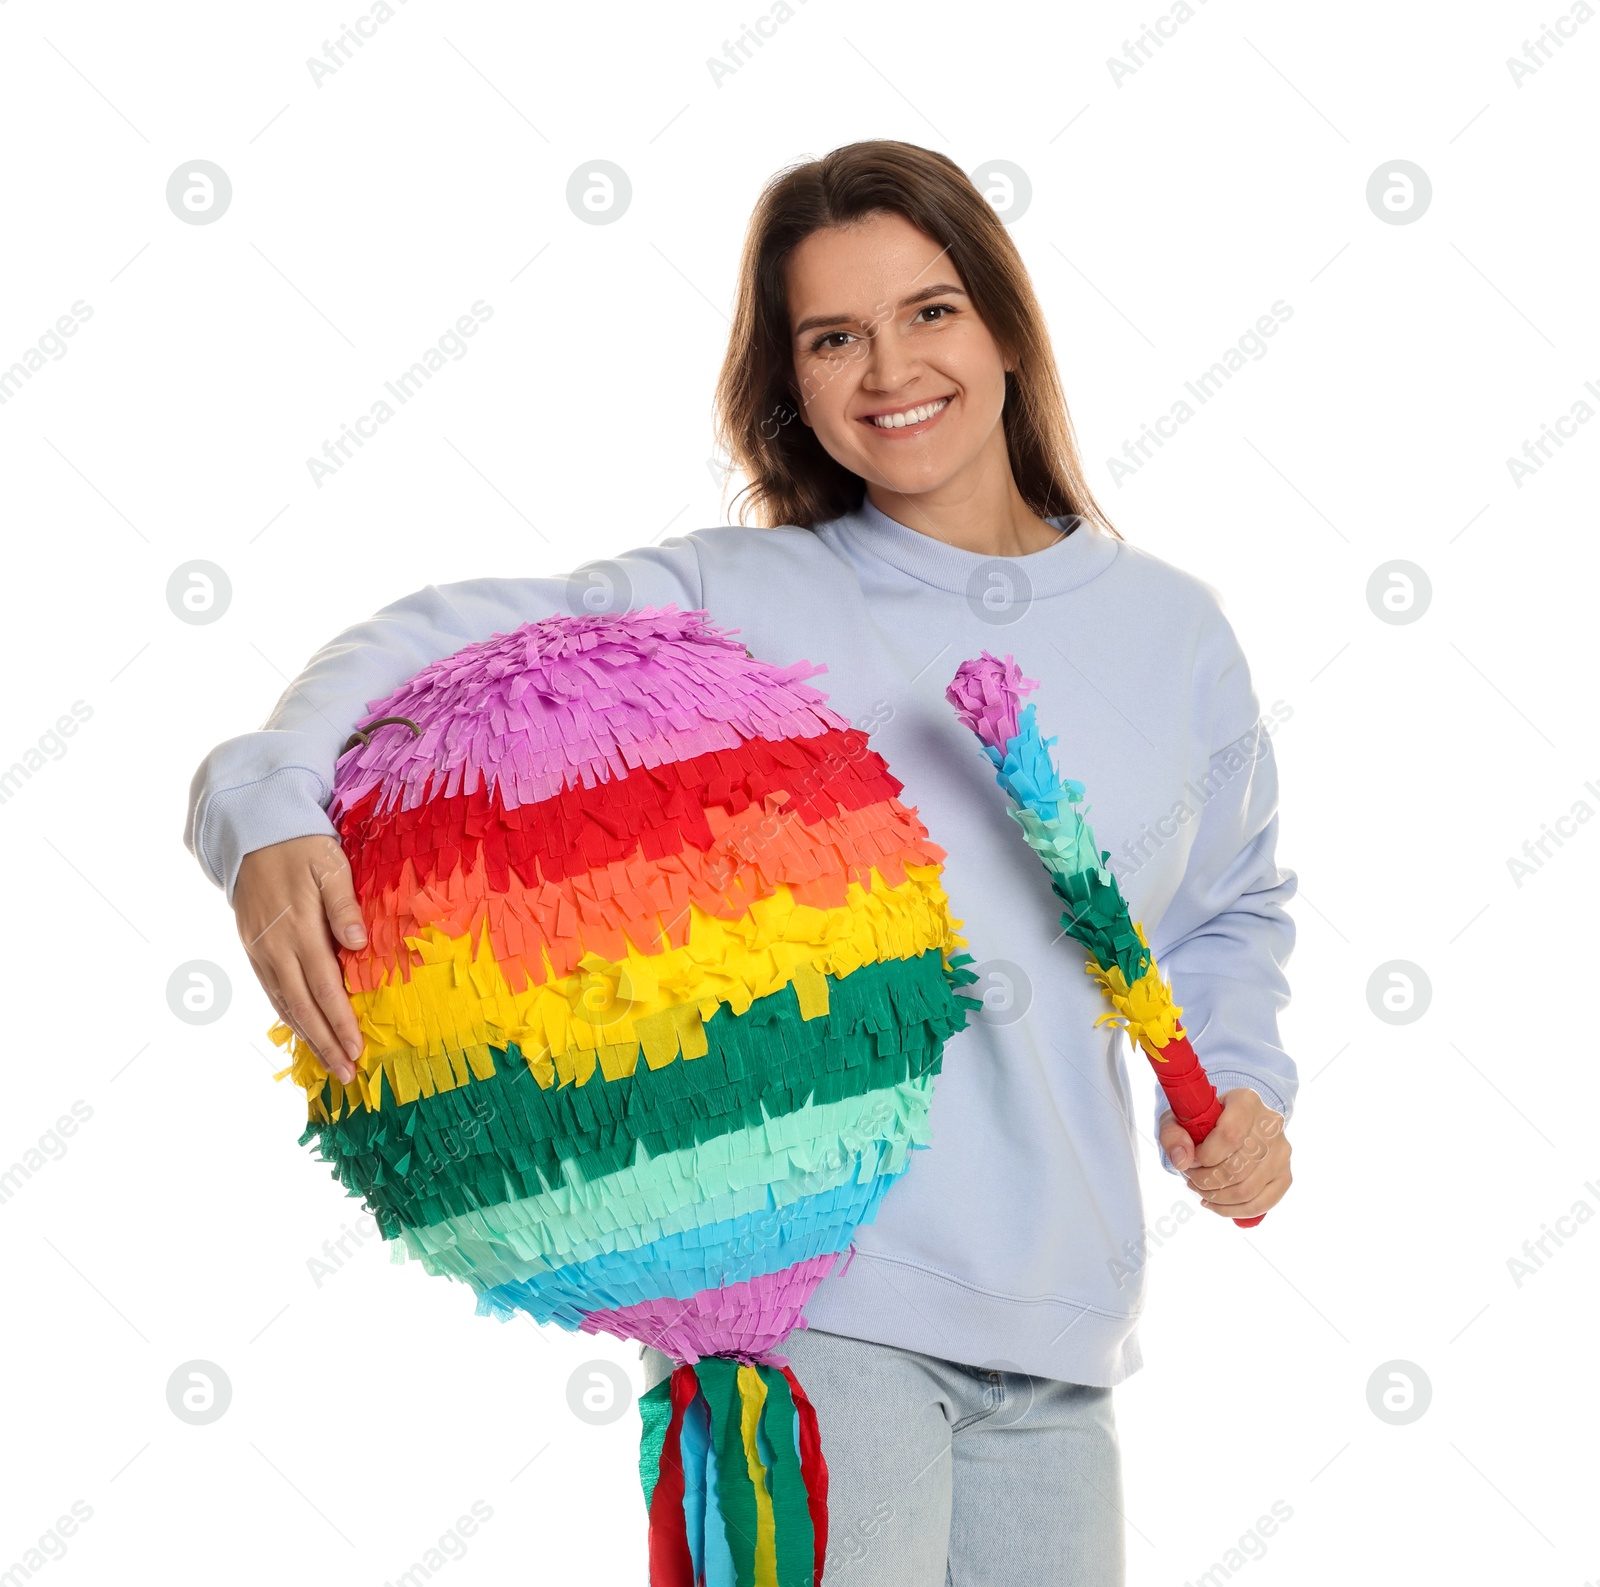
x=734, y=1480
x=987, y=696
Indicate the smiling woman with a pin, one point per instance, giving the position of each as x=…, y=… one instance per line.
x=914, y=496
x=877, y=282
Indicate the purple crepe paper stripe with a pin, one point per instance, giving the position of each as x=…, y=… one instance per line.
x=987, y=694
x=747, y=1318
x=577, y=700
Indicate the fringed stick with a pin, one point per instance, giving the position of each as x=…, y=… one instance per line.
x=987, y=696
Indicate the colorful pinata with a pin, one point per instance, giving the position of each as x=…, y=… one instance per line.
x=658, y=979
x=987, y=695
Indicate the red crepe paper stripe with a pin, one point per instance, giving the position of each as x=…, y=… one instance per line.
x=653, y=811
x=671, y=1562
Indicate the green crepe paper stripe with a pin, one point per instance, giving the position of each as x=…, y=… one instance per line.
x=496, y=1140
x=1097, y=914
x=791, y=1513
x=796, y=1154
x=575, y=1109
x=518, y=1170
x=655, y=1411
x=736, y=1497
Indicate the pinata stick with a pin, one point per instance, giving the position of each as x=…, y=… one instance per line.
x=987, y=695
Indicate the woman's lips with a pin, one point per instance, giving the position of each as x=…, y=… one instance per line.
x=930, y=414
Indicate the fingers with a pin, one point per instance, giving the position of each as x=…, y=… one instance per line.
x=305, y=1008
x=1242, y=1167
x=289, y=899
x=325, y=980
x=1175, y=1142
x=339, y=901
x=1226, y=1156
x=1247, y=1126
x=1232, y=1169
x=1272, y=1190
x=327, y=1031
x=322, y=972
x=1230, y=1193
x=1261, y=1185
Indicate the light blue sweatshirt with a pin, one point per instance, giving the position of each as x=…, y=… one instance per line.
x=1018, y=1239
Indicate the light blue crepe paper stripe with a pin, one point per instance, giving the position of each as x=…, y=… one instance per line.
x=682, y=1265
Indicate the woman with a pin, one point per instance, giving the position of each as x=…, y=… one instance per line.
x=890, y=394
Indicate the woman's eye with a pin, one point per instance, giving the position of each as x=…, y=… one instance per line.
x=941, y=309
x=826, y=343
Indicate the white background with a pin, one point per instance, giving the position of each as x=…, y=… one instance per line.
x=1168, y=212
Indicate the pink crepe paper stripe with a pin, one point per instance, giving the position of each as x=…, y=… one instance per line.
x=987, y=694
x=745, y=1319
x=577, y=700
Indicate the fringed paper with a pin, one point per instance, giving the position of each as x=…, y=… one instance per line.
x=432, y=1030
x=658, y=980
x=731, y=1176
x=987, y=693
x=734, y=1478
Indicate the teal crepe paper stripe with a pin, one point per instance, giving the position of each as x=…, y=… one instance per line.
x=778, y=1161
x=655, y=1411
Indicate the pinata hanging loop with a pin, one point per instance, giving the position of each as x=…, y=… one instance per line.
x=363, y=735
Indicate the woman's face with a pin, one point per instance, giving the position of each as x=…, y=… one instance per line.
x=898, y=376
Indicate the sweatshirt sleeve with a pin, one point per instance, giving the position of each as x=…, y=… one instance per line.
x=265, y=787
x=1225, y=938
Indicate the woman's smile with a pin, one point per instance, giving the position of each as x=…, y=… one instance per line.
x=915, y=419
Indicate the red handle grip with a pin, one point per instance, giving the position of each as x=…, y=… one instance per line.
x=1194, y=1100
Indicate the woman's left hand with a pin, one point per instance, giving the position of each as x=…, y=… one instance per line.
x=1242, y=1167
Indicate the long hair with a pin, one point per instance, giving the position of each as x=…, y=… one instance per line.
x=790, y=478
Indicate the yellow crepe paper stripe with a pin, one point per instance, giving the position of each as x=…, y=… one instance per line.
x=433, y=1031
x=1145, y=1009
x=752, y=1399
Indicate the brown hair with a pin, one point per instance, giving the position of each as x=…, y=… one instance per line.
x=791, y=478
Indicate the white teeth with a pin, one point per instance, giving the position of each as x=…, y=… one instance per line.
x=898, y=421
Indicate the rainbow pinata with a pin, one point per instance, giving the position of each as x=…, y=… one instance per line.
x=658, y=979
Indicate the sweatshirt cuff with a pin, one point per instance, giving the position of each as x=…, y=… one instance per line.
x=284, y=804
x=1224, y=1080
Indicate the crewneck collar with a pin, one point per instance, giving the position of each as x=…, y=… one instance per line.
x=1084, y=554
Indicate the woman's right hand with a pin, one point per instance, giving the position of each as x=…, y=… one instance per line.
x=291, y=900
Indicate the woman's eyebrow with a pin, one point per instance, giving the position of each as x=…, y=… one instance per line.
x=938, y=290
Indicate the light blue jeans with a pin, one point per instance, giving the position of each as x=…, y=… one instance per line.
x=947, y=1475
